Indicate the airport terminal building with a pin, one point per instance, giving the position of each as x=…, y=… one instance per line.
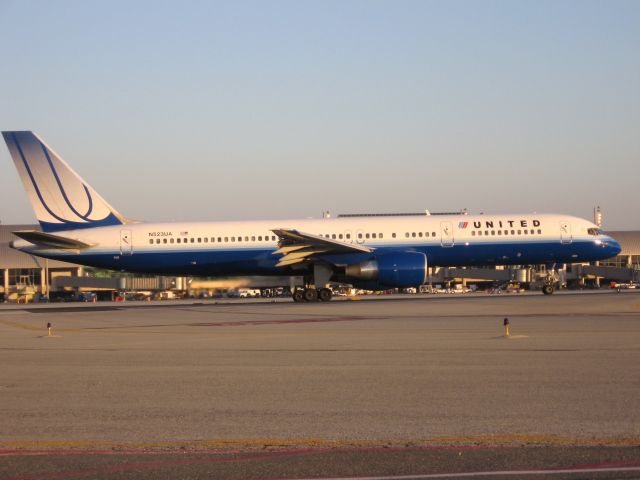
x=25, y=277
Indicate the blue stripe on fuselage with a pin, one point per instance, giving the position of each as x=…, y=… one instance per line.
x=261, y=261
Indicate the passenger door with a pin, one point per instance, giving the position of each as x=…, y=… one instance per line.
x=565, y=233
x=126, y=245
x=446, y=234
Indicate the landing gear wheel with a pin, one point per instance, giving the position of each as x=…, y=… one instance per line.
x=547, y=289
x=298, y=295
x=310, y=295
x=325, y=294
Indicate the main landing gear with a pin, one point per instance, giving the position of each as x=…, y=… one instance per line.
x=312, y=294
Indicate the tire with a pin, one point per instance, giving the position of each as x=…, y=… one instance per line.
x=310, y=295
x=325, y=294
x=547, y=289
x=298, y=296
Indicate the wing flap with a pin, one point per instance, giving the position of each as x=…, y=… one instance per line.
x=300, y=247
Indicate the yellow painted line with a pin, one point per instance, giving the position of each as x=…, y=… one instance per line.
x=43, y=328
x=23, y=326
x=479, y=440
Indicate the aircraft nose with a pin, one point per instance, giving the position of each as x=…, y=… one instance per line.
x=612, y=245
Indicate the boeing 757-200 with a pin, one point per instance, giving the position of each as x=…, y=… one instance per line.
x=374, y=252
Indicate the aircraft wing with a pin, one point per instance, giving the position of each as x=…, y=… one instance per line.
x=299, y=247
x=48, y=240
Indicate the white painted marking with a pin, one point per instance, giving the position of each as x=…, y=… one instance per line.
x=486, y=474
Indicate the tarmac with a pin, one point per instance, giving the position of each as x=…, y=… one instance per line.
x=385, y=386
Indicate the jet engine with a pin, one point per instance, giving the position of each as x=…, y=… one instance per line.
x=389, y=270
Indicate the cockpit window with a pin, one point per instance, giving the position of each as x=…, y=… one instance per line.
x=594, y=231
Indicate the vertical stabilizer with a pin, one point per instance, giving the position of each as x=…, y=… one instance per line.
x=61, y=199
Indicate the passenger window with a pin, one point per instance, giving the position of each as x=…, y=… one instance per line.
x=420, y=234
x=519, y=232
x=171, y=240
x=406, y=234
x=513, y=232
x=246, y=239
x=253, y=239
x=333, y=235
x=151, y=241
x=479, y=233
x=373, y=235
x=239, y=239
x=178, y=240
x=493, y=232
x=233, y=239
x=359, y=235
x=539, y=231
x=340, y=236
x=433, y=234
x=413, y=234
x=157, y=240
x=367, y=235
x=379, y=235
x=393, y=235
x=486, y=233
x=226, y=239
x=499, y=232
x=206, y=239
x=348, y=236
x=219, y=239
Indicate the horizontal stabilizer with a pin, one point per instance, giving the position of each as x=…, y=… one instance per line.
x=48, y=240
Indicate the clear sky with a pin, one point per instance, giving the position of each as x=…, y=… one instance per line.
x=210, y=110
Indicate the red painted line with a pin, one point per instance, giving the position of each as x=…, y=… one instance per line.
x=147, y=465
x=604, y=467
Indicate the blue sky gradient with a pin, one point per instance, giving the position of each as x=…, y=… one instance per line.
x=252, y=110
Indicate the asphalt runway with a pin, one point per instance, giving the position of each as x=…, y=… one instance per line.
x=251, y=389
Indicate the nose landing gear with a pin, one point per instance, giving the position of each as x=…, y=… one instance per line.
x=550, y=282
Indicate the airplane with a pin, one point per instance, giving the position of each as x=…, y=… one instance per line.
x=372, y=252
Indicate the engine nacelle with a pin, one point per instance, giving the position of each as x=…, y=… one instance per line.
x=390, y=270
